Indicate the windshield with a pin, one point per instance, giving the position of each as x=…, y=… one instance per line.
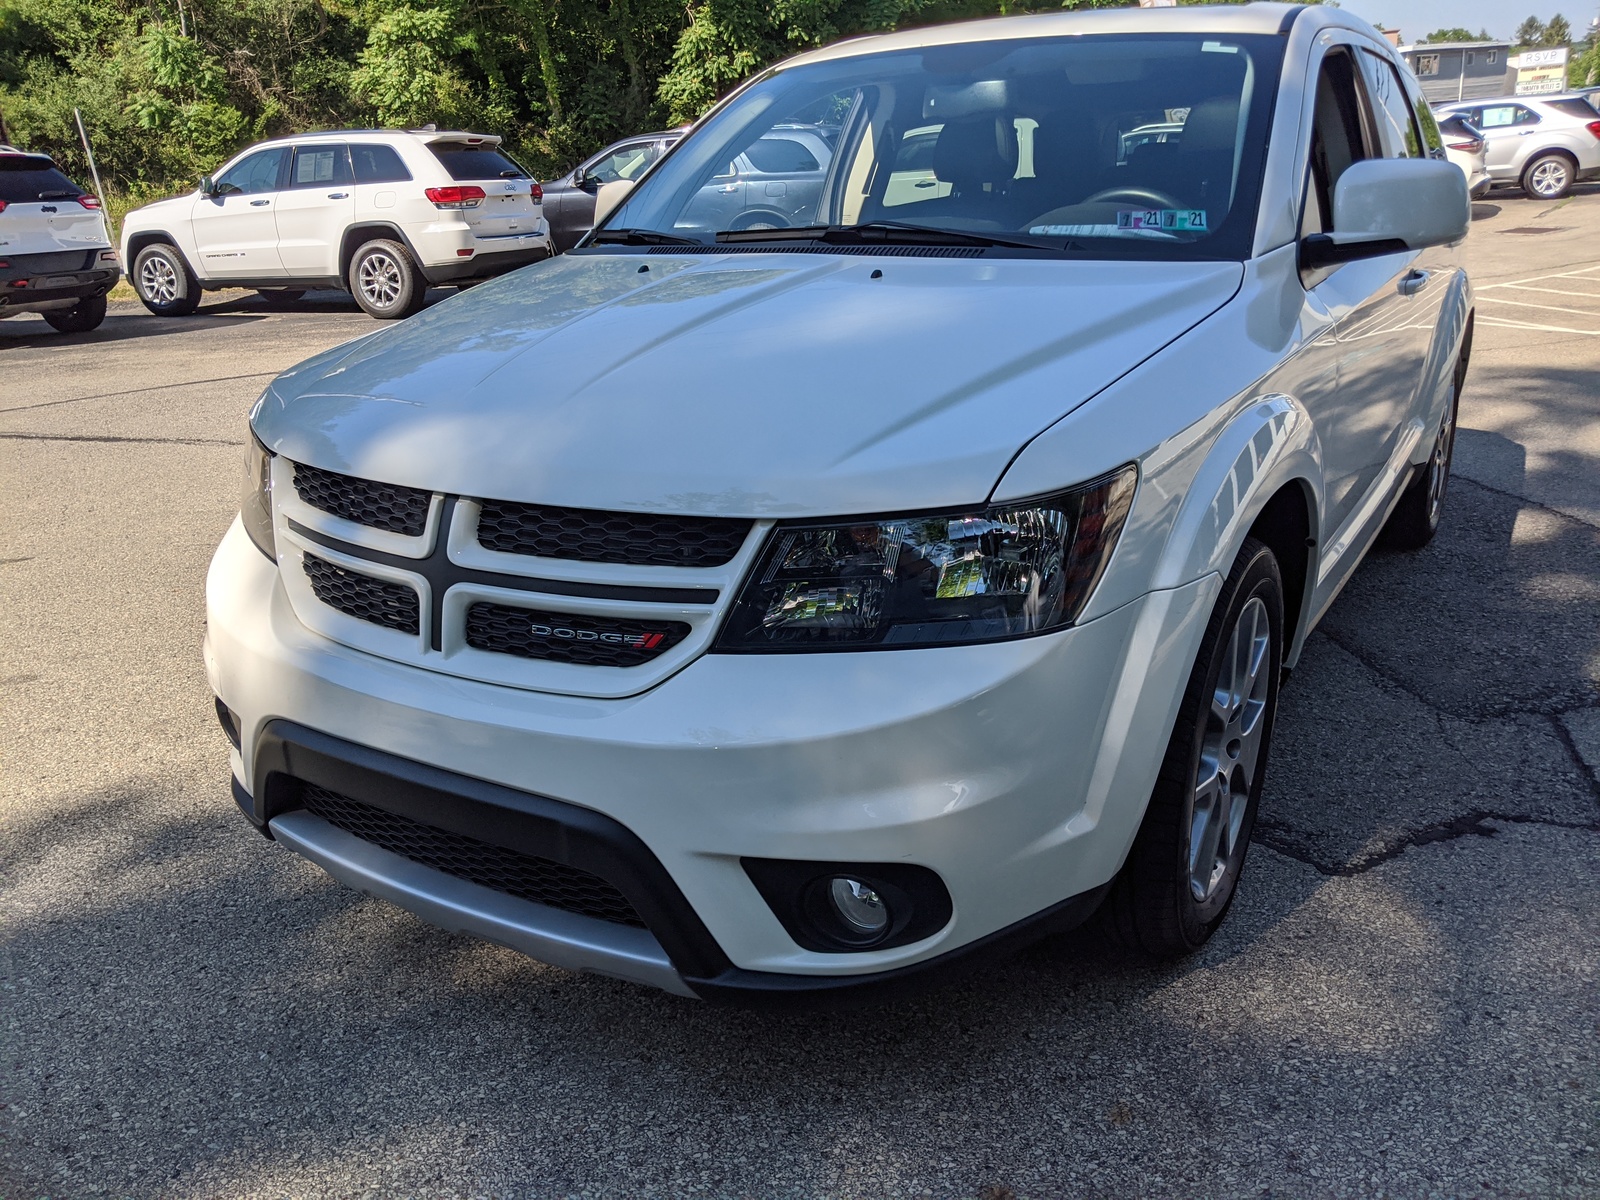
x=1126, y=144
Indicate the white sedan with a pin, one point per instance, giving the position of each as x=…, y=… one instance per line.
x=771, y=614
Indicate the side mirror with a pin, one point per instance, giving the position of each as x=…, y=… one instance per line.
x=1390, y=205
x=614, y=193
x=208, y=186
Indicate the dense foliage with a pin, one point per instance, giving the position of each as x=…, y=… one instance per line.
x=168, y=88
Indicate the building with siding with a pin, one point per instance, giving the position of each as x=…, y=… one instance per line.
x=1451, y=71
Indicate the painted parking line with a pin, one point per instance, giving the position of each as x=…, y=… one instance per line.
x=1571, y=285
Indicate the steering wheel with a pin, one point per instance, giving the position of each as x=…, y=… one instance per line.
x=1142, y=196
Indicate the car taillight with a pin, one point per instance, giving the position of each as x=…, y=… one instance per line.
x=536, y=193
x=89, y=201
x=1475, y=146
x=1594, y=128
x=468, y=196
x=2, y=206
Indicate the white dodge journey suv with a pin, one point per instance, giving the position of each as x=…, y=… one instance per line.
x=380, y=213
x=778, y=613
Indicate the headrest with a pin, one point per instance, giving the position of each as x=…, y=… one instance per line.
x=972, y=151
x=1212, y=125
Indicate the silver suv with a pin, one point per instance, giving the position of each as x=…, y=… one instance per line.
x=1544, y=144
x=383, y=214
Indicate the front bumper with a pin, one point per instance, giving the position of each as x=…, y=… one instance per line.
x=1018, y=772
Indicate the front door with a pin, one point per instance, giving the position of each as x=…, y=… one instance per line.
x=1505, y=126
x=315, y=207
x=236, y=228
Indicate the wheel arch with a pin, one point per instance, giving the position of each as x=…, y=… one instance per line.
x=359, y=235
x=137, y=242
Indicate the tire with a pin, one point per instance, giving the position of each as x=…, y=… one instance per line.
x=1416, y=517
x=385, y=281
x=81, y=317
x=761, y=220
x=280, y=297
x=1548, y=177
x=164, y=283
x=1159, y=905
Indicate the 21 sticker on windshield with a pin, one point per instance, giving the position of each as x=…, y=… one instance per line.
x=1170, y=220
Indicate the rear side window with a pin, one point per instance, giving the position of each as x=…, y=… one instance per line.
x=777, y=155
x=1498, y=116
x=1336, y=141
x=1574, y=107
x=1397, y=128
x=319, y=166
x=25, y=179
x=475, y=162
x=378, y=164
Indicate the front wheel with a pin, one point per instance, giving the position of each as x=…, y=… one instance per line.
x=385, y=281
x=164, y=282
x=1548, y=177
x=1184, y=868
x=83, y=316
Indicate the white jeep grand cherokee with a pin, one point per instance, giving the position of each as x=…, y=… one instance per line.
x=382, y=214
x=786, y=612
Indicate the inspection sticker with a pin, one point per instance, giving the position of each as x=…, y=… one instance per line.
x=1171, y=220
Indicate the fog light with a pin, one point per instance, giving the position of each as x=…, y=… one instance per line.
x=862, y=909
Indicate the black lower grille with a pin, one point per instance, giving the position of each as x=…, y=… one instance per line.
x=586, y=640
x=392, y=605
x=364, y=501
x=587, y=535
x=526, y=876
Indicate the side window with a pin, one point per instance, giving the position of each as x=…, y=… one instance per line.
x=377, y=164
x=320, y=166
x=258, y=173
x=781, y=155
x=1501, y=116
x=626, y=162
x=1432, y=137
x=1397, y=126
x=1337, y=139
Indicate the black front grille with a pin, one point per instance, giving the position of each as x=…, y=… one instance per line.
x=379, y=505
x=587, y=535
x=526, y=876
x=586, y=640
x=392, y=605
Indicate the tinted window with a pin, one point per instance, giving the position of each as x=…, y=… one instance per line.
x=24, y=179
x=773, y=155
x=1397, y=129
x=319, y=166
x=1572, y=107
x=465, y=162
x=1336, y=139
x=257, y=173
x=378, y=164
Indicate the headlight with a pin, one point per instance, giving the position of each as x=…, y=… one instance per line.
x=255, y=501
x=1002, y=572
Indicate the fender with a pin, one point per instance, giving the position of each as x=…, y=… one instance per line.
x=1449, y=342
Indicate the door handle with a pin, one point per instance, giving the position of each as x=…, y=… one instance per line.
x=259, y=203
x=338, y=195
x=1413, y=282
x=732, y=187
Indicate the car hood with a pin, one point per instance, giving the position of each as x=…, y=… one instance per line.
x=753, y=384
x=176, y=207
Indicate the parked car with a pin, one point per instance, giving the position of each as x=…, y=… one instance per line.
x=569, y=201
x=55, y=254
x=1543, y=144
x=1465, y=146
x=766, y=614
x=383, y=214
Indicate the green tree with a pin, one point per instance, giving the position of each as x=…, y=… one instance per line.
x=1557, y=32
x=1456, y=34
x=1530, y=32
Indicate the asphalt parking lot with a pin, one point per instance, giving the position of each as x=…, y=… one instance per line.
x=1403, y=1003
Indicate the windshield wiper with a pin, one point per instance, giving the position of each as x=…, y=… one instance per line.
x=886, y=232
x=58, y=194
x=640, y=237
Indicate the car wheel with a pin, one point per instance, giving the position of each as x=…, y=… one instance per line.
x=83, y=316
x=385, y=281
x=1416, y=517
x=1183, y=870
x=761, y=221
x=164, y=283
x=280, y=297
x=1548, y=177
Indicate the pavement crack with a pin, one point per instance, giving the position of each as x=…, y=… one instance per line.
x=1276, y=837
x=147, y=441
x=160, y=387
x=1564, y=736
